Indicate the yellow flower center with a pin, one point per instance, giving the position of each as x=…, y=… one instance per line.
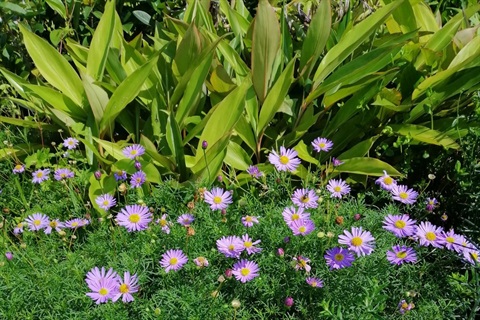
x=401, y=254
x=119, y=173
x=245, y=272
x=404, y=305
x=106, y=202
x=74, y=224
x=400, y=224
x=53, y=224
x=133, y=152
x=103, y=291
x=474, y=255
x=18, y=167
x=37, y=222
x=305, y=199
x=430, y=236
x=39, y=174
x=284, y=160
x=388, y=180
x=231, y=247
x=337, y=189
x=450, y=239
x=295, y=216
x=314, y=283
x=63, y=175
x=247, y=244
x=217, y=200
x=403, y=195
x=139, y=180
x=302, y=229
x=70, y=143
x=173, y=261
x=163, y=222
x=134, y=218
x=356, y=241
x=321, y=145
x=248, y=219
x=339, y=257
x=124, y=288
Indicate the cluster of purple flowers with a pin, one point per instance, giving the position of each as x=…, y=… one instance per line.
x=298, y=221
x=426, y=234
x=108, y=285
x=232, y=247
x=40, y=221
x=399, y=193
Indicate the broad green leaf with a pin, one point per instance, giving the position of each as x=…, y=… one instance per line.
x=126, y=92
x=58, y=6
x=231, y=56
x=18, y=83
x=304, y=154
x=424, y=134
x=352, y=40
x=106, y=184
x=236, y=21
x=18, y=150
x=425, y=19
x=223, y=118
x=360, y=149
x=212, y=152
x=174, y=140
x=275, y=97
x=367, y=166
x=13, y=7
x=77, y=51
x=111, y=148
x=99, y=47
x=142, y=16
x=236, y=157
x=245, y=131
x=28, y=124
x=188, y=50
x=151, y=150
x=96, y=96
x=53, y=66
x=265, y=46
x=316, y=38
x=404, y=16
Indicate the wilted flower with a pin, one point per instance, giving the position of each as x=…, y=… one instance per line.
x=336, y=162
x=19, y=228
x=322, y=144
x=164, y=224
x=285, y=161
x=201, y=262
x=254, y=171
x=431, y=204
x=120, y=175
x=133, y=151
x=403, y=306
x=301, y=263
x=236, y=303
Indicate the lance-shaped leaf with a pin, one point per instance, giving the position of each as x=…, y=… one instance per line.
x=174, y=140
x=265, y=45
x=424, y=134
x=275, y=97
x=316, y=38
x=99, y=47
x=223, y=118
x=237, y=157
x=188, y=50
x=53, y=66
x=351, y=40
x=367, y=166
x=126, y=92
x=97, y=97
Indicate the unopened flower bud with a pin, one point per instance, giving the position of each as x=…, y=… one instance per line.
x=122, y=188
x=330, y=234
x=236, y=303
x=221, y=279
x=9, y=255
x=444, y=217
x=280, y=252
x=23, y=245
x=286, y=239
x=220, y=178
x=321, y=234
x=204, y=144
x=229, y=273
x=357, y=216
x=223, y=212
x=98, y=174
x=289, y=302
x=138, y=165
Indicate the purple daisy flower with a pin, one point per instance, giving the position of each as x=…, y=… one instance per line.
x=338, y=258
x=322, y=144
x=164, y=224
x=218, y=199
x=137, y=179
x=201, y=262
x=338, y=188
x=231, y=246
x=133, y=151
x=173, y=260
x=302, y=227
x=120, y=175
x=403, y=306
x=19, y=228
x=336, y=162
x=463, y=244
x=106, y=201
x=401, y=254
x=74, y=223
x=37, y=221
x=70, y=143
x=386, y=182
x=359, y=241
x=104, y=286
x=314, y=282
x=449, y=240
x=431, y=204
x=400, y=225
x=301, y=263
x=403, y=194
x=128, y=286
x=54, y=224
x=134, y=217
x=428, y=234
x=305, y=198
x=245, y=270
x=291, y=214
x=254, y=172
x=248, y=221
x=471, y=256
x=63, y=174
x=285, y=161
x=40, y=175
x=186, y=219
x=249, y=244
x=19, y=168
